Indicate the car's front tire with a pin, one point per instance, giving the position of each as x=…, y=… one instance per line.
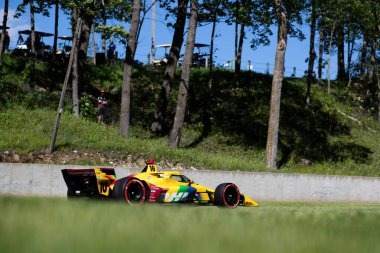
x=130, y=190
x=227, y=195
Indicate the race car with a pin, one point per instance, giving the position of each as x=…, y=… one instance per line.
x=150, y=186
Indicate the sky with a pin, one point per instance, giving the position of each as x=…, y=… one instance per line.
x=296, y=51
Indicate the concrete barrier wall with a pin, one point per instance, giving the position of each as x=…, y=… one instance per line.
x=47, y=180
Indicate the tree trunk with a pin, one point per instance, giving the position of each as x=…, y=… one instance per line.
x=312, y=54
x=75, y=67
x=93, y=43
x=84, y=43
x=212, y=40
x=378, y=96
x=153, y=36
x=207, y=102
x=64, y=87
x=81, y=54
x=56, y=18
x=236, y=31
x=32, y=44
x=5, y=20
x=320, y=52
x=238, y=55
x=350, y=50
x=329, y=59
x=104, y=23
x=145, y=10
x=158, y=125
x=175, y=135
x=375, y=78
x=278, y=76
x=363, y=58
x=341, y=68
x=125, y=110
x=378, y=92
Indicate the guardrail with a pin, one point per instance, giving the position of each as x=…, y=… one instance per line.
x=47, y=180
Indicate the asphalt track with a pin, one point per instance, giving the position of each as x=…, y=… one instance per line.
x=47, y=180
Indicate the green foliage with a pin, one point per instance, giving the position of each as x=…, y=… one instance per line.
x=40, y=6
x=117, y=32
x=14, y=83
x=272, y=227
x=88, y=110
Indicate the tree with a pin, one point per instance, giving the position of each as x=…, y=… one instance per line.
x=250, y=15
x=145, y=9
x=81, y=56
x=86, y=10
x=340, y=40
x=64, y=87
x=104, y=23
x=175, y=134
x=32, y=43
x=127, y=76
x=116, y=10
x=239, y=12
x=158, y=125
x=320, y=50
x=56, y=24
x=330, y=19
x=375, y=14
x=286, y=13
x=312, y=54
x=75, y=71
x=329, y=57
x=278, y=75
x=211, y=11
x=239, y=36
x=35, y=6
x=4, y=28
x=361, y=22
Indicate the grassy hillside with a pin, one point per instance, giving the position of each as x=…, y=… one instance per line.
x=333, y=134
x=58, y=225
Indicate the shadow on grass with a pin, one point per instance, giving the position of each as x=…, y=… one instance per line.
x=305, y=130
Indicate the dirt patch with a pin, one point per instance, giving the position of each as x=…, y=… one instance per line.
x=75, y=157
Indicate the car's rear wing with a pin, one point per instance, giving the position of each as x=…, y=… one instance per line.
x=86, y=181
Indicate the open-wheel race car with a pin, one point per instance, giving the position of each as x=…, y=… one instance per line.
x=151, y=186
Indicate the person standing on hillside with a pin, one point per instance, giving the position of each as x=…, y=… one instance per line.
x=101, y=106
x=111, y=52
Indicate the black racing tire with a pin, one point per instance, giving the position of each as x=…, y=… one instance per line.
x=117, y=193
x=227, y=195
x=130, y=190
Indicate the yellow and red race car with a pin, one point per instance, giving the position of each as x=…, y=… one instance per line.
x=150, y=185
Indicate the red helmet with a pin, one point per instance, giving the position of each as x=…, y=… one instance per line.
x=150, y=161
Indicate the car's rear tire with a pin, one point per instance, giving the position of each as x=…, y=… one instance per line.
x=227, y=195
x=130, y=190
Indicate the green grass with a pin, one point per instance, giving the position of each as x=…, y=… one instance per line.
x=29, y=130
x=58, y=225
x=26, y=131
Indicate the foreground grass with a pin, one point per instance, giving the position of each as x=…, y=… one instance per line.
x=58, y=225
